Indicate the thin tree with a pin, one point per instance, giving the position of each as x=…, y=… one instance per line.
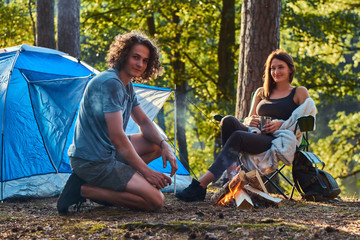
x=68, y=25
x=260, y=34
x=45, y=28
x=226, y=80
x=152, y=30
x=180, y=94
x=225, y=52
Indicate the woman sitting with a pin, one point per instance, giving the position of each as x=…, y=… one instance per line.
x=277, y=141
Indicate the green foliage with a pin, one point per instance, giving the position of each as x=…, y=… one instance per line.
x=323, y=38
x=184, y=30
x=329, y=112
x=341, y=150
x=15, y=24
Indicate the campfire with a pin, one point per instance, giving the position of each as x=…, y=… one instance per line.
x=245, y=190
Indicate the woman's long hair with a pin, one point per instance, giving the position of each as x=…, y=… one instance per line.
x=119, y=52
x=269, y=83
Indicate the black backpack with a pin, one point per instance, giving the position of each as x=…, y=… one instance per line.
x=312, y=183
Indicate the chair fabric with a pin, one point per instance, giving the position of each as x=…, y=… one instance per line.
x=305, y=124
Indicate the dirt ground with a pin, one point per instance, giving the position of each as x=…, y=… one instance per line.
x=38, y=219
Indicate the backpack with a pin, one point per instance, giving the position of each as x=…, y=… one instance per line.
x=312, y=183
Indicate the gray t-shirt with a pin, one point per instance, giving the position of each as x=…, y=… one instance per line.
x=105, y=93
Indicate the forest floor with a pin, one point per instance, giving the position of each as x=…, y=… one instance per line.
x=296, y=219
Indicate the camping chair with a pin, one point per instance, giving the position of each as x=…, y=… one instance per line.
x=305, y=124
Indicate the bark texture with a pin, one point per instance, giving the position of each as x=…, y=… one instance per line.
x=68, y=34
x=45, y=28
x=180, y=94
x=226, y=61
x=260, y=34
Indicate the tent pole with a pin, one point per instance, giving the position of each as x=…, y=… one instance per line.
x=175, y=127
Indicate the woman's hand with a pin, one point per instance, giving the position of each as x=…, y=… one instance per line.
x=252, y=121
x=272, y=126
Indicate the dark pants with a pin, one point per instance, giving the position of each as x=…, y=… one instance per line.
x=235, y=138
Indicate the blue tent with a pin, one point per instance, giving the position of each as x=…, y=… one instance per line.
x=40, y=90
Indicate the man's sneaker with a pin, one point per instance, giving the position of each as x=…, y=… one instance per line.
x=102, y=203
x=194, y=192
x=71, y=194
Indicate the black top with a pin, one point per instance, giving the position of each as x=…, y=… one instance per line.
x=281, y=108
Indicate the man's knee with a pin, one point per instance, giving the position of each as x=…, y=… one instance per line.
x=157, y=150
x=156, y=202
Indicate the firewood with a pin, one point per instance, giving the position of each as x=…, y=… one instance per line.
x=216, y=197
x=261, y=198
x=243, y=200
x=239, y=180
x=256, y=181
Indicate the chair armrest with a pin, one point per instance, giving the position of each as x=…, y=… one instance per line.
x=218, y=117
x=306, y=123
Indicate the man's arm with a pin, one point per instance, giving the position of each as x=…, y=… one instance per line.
x=150, y=132
x=122, y=144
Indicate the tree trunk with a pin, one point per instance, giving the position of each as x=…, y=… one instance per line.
x=152, y=30
x=180, y=95
x=260, y=34
x=151, y=24
x=226, y=80
x=45, y=29
x=68, y=34
x=225, y=52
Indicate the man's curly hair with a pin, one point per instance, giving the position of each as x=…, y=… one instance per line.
x=119, y=52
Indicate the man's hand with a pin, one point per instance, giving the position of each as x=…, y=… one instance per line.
x=168, y=155
x=157, y=179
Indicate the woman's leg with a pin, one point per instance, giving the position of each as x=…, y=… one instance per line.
x=230, y=124
x=239, y=141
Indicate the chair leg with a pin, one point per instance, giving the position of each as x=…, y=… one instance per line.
x=276, y=187
x=286, y=179
x=274, y=174
x=278, y=171
x=268, y=179
x=292, y=192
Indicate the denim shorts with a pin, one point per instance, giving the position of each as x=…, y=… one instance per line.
x=112, y=174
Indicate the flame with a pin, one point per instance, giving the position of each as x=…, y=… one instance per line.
x=234, y=188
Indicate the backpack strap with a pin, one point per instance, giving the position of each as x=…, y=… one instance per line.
x=310, y=157
x=313, y=158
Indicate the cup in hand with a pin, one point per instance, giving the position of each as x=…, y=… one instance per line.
x=264, y=120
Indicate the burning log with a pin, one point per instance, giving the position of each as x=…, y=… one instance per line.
x=242, y=190
x=239, y=179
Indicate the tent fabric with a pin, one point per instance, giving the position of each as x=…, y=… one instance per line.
x=151, y=101
x=40, y=91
